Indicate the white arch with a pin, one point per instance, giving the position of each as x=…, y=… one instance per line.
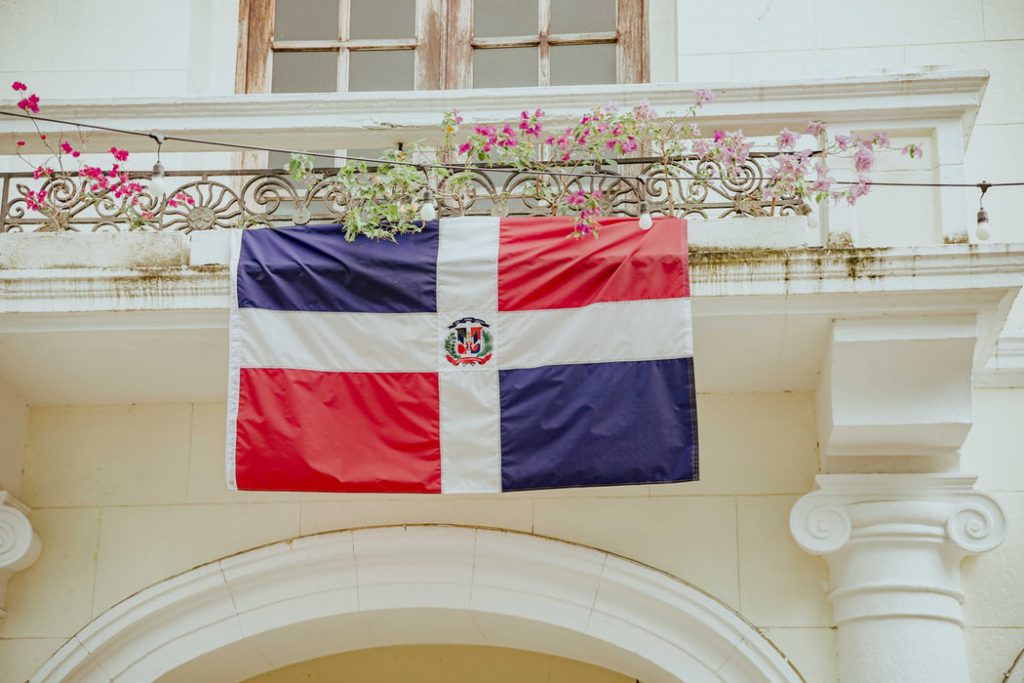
x=348, y=590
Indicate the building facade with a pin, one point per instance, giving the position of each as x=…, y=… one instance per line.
x=860, y=370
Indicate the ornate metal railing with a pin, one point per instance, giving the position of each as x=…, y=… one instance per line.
x=254, y=198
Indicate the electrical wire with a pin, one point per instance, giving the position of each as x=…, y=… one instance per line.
x=159, y=138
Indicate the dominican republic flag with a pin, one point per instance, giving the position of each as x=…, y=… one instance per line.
x=479, y=355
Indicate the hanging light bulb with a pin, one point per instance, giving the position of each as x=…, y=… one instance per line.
x=428, y=211
x=157, y=183
x=983, y=231
x=646, y=220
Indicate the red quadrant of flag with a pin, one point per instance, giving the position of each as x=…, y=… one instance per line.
x=300, y=430
x=539, y=268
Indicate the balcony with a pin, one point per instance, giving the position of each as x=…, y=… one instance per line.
x=97, y=314
x=936, y=106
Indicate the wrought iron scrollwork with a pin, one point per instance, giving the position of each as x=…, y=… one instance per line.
x=265, y=198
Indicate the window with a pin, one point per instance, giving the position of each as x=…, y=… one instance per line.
x=359, y=45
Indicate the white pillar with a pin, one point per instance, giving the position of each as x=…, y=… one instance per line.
x=893, y=543
x=19, y=543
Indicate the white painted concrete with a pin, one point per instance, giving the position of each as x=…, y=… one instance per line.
x=276, y=605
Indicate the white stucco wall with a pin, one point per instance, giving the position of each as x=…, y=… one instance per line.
x=118, y=494
x=97, y=49
x=753, y=40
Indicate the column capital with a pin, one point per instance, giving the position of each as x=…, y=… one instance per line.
x=19, y=543
x=894, y=542
x=934, y=507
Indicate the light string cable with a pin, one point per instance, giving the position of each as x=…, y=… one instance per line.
x=160, y=138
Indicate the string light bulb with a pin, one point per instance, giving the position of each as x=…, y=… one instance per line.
x=428, y=211
x=646, y=220
x=157, y=184
x=983, y=231
x=158, y=181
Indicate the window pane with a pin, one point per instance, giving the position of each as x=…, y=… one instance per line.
x=306, y=20
x=383, y=19
x=582, y=16
x=505, y=18
x=304, y=72
x=392, y=70
x=582, y=64
x=507, y=67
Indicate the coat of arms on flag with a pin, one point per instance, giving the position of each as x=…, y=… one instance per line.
x=479, y=355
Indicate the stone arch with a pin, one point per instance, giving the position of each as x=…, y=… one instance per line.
x=347, y=590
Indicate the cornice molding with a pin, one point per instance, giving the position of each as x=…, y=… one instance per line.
x=757, y=107
x=977, y=272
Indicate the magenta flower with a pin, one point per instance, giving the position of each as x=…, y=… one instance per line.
x=576, y=198
x=18, y=85
x=719, y=135
x=21, y=143
x=30, y=104
x=465, y=147
x=119, y=154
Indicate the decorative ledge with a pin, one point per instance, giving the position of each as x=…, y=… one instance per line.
x=363, y=120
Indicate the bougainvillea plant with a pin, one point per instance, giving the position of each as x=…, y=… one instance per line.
x=386, y=199
x=571, y=153
x=110, y=189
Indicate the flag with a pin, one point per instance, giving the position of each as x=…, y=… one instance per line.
x=479, y=355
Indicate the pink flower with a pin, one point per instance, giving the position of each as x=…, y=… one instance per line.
x=703, y=97
x=644, y=111
x=119, y=154
x=863, y=159
x=815, y=128
x=786, y=139
x=821, y=184
x=843, y=141
x=913, y=151
x=719, y=135
x=18, y=85
x=701, y=148
x=465, y=147
x=66, y=147
x=880, y=138
x=859, y=190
